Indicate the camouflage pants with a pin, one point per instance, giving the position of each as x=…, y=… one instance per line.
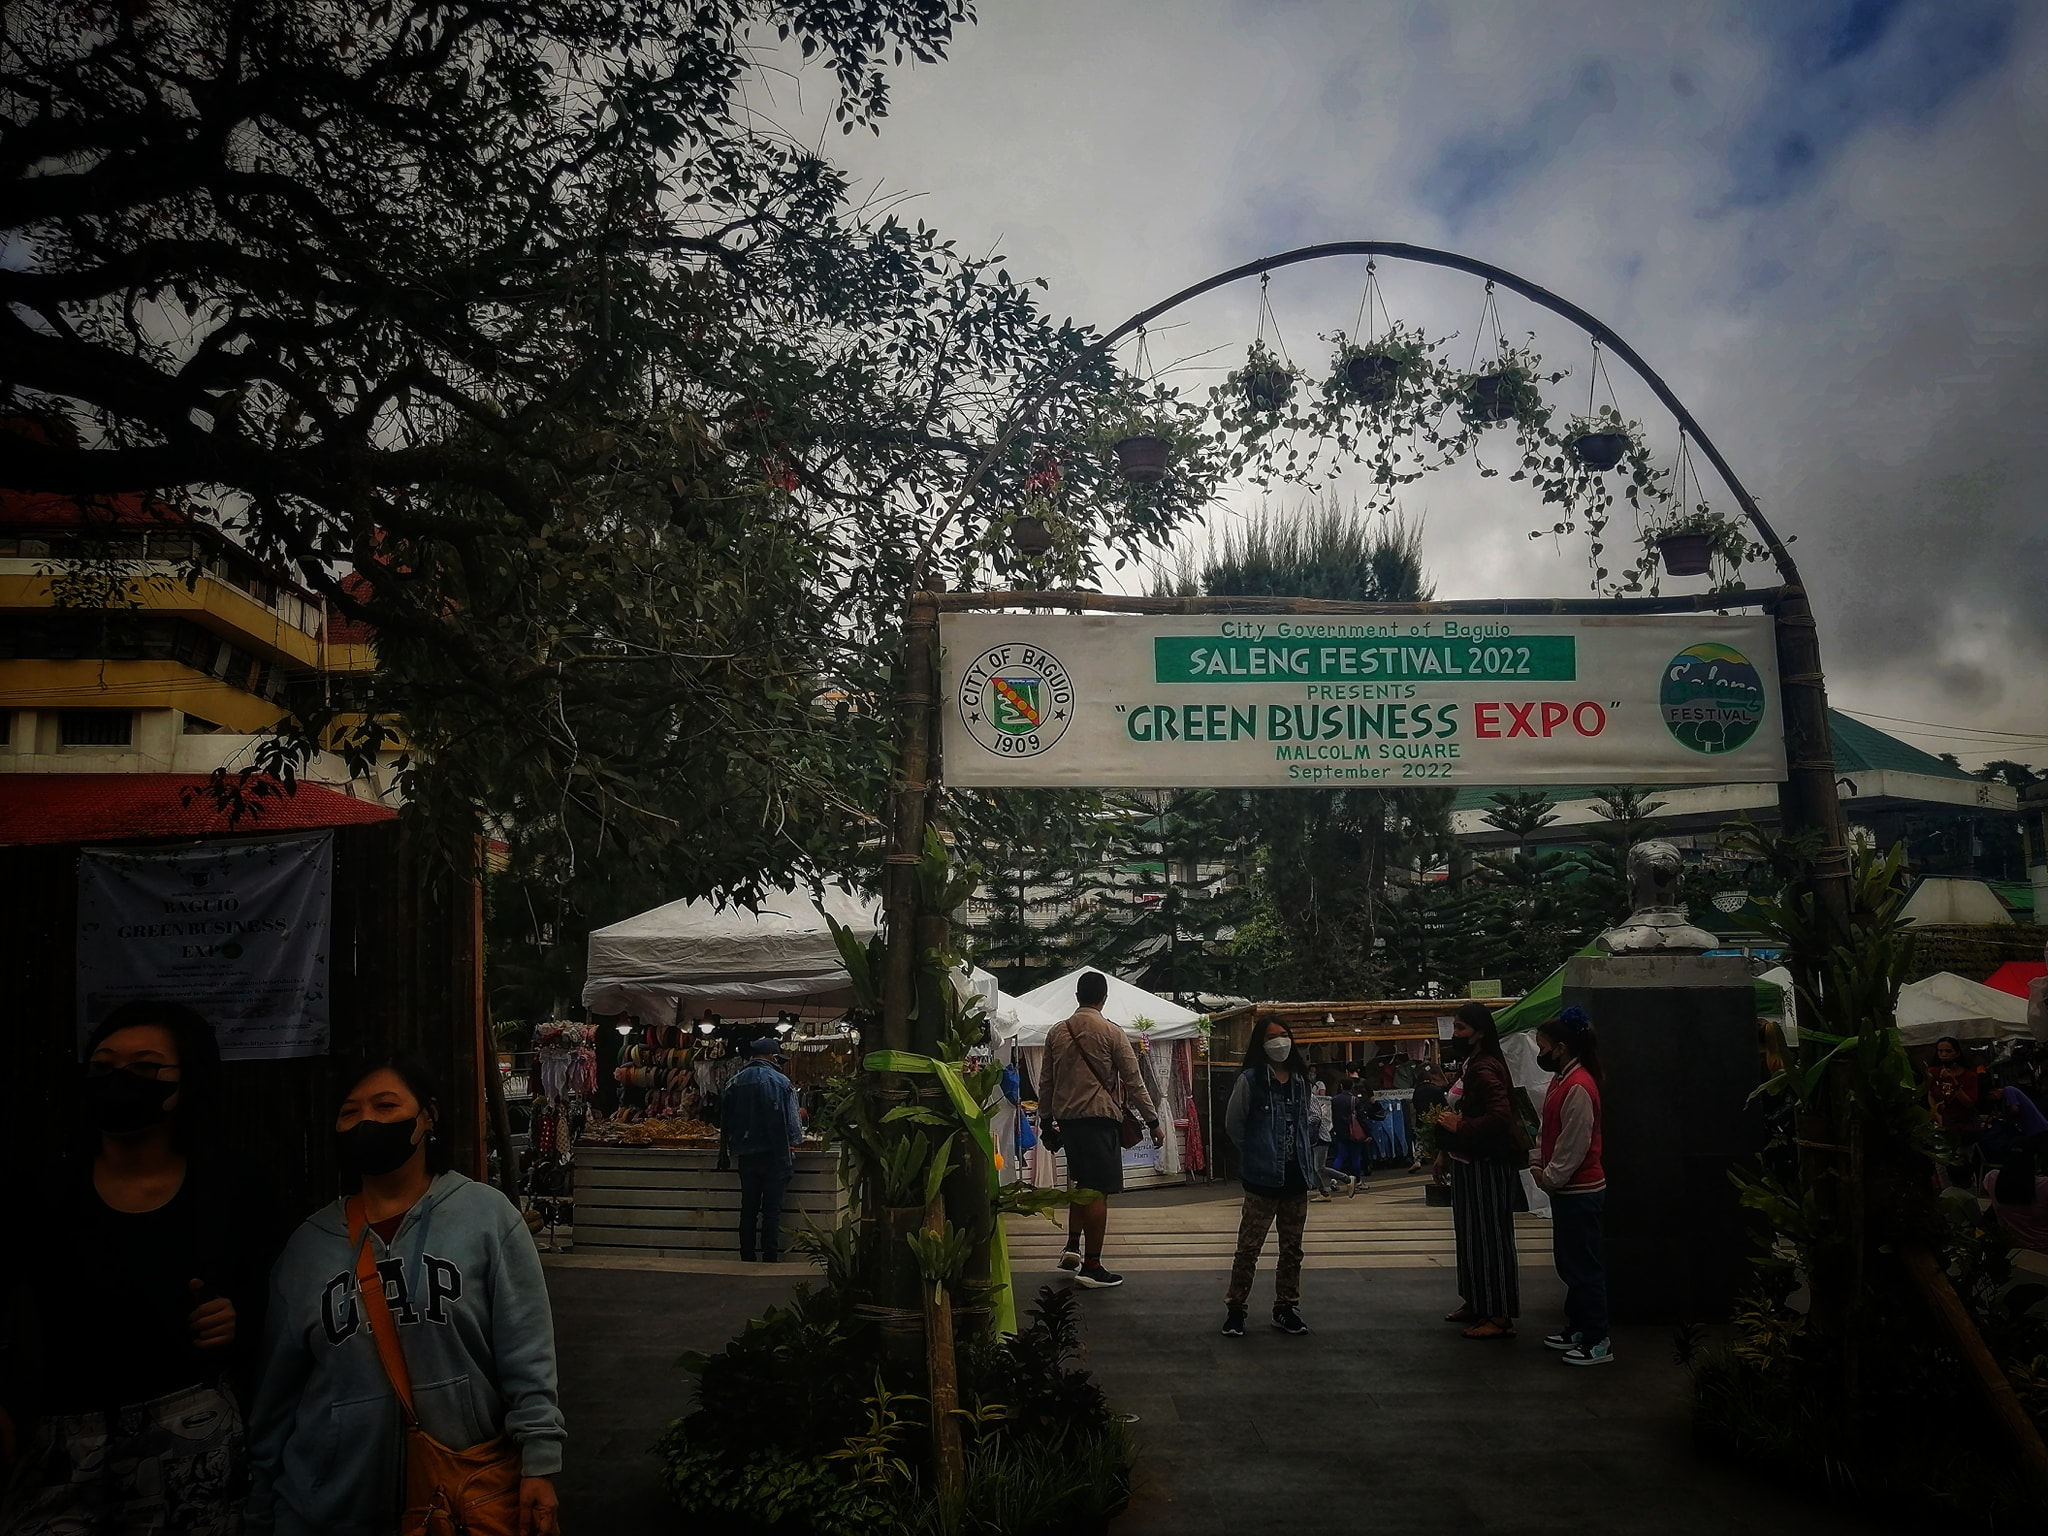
x=177, y=1464
x=1253, y=1224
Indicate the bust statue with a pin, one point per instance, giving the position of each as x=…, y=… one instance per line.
x=1657, y=925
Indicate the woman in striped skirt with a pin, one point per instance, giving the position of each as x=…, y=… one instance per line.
x=1485, y=1153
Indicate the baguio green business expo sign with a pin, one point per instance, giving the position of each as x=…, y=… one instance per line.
x=1333, y=699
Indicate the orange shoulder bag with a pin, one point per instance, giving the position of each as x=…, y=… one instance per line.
x=447, y=1492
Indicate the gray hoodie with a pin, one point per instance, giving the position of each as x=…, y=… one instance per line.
x=464, y=1284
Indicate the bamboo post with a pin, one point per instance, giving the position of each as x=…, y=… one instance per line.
x=908, y=819
x=944, y=1371
x=1933, y=1284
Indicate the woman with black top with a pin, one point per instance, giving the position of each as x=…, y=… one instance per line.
x=153, y=1253
x=1478, y=1133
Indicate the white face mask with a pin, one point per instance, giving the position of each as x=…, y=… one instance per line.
x=1279, y=1048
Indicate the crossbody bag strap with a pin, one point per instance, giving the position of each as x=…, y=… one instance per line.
x=1112, y=1089
x=377, y=1311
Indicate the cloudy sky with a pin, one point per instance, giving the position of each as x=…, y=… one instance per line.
x=1823, y=223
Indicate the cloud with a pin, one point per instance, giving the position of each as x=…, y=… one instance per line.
x=1823, y=224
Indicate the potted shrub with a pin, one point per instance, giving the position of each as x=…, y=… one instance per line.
x=1505, y=391
x=1265, y=382
x=1600, y=442
x=1689, y=545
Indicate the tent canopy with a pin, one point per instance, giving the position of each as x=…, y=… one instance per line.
x=1040, y=1009
x=2015, y=975
x=1948, y=1004
x=694, y=949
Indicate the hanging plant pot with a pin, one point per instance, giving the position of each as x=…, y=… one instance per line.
x=1143, y=458
x=1686, y=554
x=1599, y=450
x=1268, y=389
x=1373, y=377
x=1491, y=397
x=1030, y=537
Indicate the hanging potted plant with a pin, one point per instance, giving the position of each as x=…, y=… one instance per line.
x=1371, y=372
x=1599, y=442
x=1265, y=382
x=1143, y=442
x=1690, y=545
x=1504, y=391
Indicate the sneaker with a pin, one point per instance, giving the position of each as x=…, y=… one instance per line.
x=1070, y=1259
x=1287, y=1320
x=1233, y=1322
x=1095, y=1277
x=1561, y=1341
x=1318, y=1194
x=1601, y=1353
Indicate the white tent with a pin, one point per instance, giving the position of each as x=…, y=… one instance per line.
x=1948, y=1004
x=1944, y=899
x=1038, y=1012
x=1041, y=1008
x=783, y=953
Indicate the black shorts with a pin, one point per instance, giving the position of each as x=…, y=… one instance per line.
x=1095, y=1154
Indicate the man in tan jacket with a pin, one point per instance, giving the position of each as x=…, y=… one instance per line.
x=1088, y=1078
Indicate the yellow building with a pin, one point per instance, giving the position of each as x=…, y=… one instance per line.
x=136, y=640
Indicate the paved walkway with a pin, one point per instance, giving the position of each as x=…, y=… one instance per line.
x=1383, y=1418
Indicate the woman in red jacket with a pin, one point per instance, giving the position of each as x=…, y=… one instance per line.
x=1485, y=1154
x=1568, y=1166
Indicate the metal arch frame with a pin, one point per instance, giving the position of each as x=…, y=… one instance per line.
x=1807, y=798
x=1788, y=570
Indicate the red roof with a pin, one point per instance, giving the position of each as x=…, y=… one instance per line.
x=344, y=630
x=117, y=807
x=2014, y=975
x=50, y=512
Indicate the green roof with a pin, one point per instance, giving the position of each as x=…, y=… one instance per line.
x=1859, y=748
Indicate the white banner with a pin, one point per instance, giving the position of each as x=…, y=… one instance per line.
x=237, y=932
x=1334, y=700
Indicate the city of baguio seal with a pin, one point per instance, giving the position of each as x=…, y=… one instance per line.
x=1016, y=700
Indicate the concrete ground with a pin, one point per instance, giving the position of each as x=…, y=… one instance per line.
x=1382, y=1418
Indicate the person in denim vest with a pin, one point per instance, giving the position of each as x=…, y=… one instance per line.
x=759, y=1126
x=1270, y=1120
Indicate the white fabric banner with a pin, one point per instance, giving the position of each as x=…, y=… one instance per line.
x=238, y=932
x=1333, y=700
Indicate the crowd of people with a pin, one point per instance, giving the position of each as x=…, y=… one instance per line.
x=1285, y=1123
x=1992, y=1134
x=186, y=1361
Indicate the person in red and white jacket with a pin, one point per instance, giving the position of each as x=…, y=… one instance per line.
x=1568, y=1167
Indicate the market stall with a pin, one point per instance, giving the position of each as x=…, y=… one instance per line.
x=1168, y=1040
x=687, y=986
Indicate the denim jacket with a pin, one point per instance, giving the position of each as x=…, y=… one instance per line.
x=1252, y=1123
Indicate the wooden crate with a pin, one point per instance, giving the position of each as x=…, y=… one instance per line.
x=669, y=1203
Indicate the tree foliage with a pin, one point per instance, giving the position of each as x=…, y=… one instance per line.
x=510, y=329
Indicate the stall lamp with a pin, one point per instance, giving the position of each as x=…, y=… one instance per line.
x=784, y=1027
x=706, y=1027
x=625, y=1029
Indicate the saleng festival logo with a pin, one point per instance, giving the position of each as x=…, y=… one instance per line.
x=1712, y=698
x=1016, y=700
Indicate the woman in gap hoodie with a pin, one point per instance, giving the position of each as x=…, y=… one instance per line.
x=464, y=1285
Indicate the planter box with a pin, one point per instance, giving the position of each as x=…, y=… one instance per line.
x=665, y=1203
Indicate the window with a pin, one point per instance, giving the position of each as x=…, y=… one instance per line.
x=95, y=728
x=6, y=727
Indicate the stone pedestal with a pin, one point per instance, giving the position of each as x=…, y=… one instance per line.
x=1678, y=1045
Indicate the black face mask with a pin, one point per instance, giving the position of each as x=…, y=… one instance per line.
x=1456, y=1049
x=1549, y=1061
x=373, y=1147
x=120, y=1102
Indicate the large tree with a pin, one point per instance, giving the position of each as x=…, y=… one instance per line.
x=510, y=329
